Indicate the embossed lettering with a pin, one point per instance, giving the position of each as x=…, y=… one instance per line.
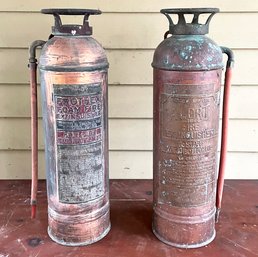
x=188, y=145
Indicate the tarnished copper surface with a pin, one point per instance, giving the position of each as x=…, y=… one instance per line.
x=131, y=214
x=186, y=121
x=187, y=81
x=73, y=71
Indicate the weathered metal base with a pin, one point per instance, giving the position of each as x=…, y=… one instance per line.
x=88, y=242
x=192, y=229
x=80, y=229
x=184, y=246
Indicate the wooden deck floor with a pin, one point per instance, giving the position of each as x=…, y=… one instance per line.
x=130, y=235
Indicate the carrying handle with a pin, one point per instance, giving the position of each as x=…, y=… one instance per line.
x=59, y=28
x=184, y=28
x=224, y=136
x=34, y=123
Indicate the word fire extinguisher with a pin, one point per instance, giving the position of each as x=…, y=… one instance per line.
x=73, y=78
x=187, y=84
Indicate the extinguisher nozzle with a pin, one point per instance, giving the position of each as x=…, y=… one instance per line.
x=217, y=215
x=33, y=211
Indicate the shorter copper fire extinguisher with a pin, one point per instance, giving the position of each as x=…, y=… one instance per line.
x=73, y=74
x=187, y=84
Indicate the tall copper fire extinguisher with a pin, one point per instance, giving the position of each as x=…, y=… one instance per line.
x=187, y=84
x=73, y=74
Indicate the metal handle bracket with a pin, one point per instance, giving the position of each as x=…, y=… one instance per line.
x=193, y=28
x=73, y=30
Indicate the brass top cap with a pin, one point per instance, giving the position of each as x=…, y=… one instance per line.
x=193, y=28
x=71, y=29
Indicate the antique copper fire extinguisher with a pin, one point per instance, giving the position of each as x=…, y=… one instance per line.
x=73, y=75
x=187, y=83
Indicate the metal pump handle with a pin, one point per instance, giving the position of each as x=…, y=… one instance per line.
x=193, y=28
x=71, y=29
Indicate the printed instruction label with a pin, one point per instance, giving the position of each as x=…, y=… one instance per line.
x=79, y=136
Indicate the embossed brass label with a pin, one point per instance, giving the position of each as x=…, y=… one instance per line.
x=189, y=117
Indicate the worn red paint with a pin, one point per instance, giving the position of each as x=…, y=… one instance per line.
x=34, y=124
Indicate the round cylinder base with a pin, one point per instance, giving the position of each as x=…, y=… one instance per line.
x=82, y=243
x=184, y=246
x=187, y=234
x=77, y=231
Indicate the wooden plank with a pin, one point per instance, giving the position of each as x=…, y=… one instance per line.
x=131, y=219
x=134, y=6
x=126, y=66
x=136, y=104
x=9, y=107
x=127, y=101
x=127, y=134
x=17, y=165
x=124, y=134
x=123, y=164
x=144, y=30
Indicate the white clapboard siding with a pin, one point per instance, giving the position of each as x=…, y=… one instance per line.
x=128, y=30
x=125, y=101
x=132, y=6
x=126, y=66
x=138, y=165
x=127, y=134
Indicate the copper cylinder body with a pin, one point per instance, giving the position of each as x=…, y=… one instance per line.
x=73, y=71
x=187, y=82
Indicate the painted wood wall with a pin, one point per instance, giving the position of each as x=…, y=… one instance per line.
x=129, y=31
